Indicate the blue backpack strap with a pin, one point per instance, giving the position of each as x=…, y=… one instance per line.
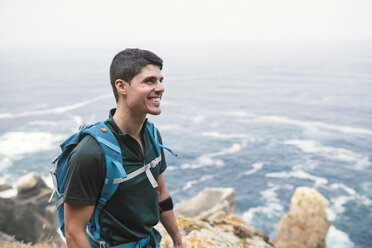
x=154, y=138
x=115, y=172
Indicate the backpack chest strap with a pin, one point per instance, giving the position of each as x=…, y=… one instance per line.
x=146, y=168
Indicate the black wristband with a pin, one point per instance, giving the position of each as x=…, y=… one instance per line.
x=166, y=205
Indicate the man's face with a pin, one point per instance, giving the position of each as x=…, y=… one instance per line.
x=145, y=91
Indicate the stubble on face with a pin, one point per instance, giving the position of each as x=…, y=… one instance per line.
x=146, y=90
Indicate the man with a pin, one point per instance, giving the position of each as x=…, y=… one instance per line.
x=131, y=213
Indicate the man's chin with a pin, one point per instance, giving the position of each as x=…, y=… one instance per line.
x=156, y=112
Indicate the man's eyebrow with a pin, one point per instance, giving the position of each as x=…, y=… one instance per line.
x=153, y=78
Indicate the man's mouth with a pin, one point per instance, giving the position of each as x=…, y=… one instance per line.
x=155, y=99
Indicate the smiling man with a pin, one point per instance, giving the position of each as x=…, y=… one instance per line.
x=128, y=218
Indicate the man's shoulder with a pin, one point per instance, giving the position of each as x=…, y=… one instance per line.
x=87, y=143
x=88, y=148
x=86, y=172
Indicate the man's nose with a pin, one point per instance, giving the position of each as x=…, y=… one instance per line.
x=159, y=87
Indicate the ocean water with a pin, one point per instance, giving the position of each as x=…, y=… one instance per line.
x=261, y=118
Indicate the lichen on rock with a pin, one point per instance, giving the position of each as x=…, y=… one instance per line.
x=218, y=230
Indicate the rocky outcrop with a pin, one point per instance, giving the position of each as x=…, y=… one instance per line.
x=208, y=202
x=4, y=187
x=28, y=216
x=208, y=220
x=219, y=230
x=30, y=185
x=306, y=224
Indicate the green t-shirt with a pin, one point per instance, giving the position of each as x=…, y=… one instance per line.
x=133, y=210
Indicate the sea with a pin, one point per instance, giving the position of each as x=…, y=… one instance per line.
x=262, y=118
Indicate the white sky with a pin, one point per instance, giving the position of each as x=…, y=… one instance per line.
x=66, y=22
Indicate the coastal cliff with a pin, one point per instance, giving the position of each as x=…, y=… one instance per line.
x=206, y=220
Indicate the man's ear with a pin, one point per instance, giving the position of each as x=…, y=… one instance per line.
x=121, y=86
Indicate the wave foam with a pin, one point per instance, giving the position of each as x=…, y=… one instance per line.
x=338, y=239
x=14, y=145
x=189, y=184
x=198, y=119
x=299, y=174
x=48, y=181
x=272, y=208
x=44, y=123
x=208, y=159
x=331, y=216
x=5, y=162
x=17, y=143
x=73, y=120
x=269, y=209
x=338, y=203
x=314, y=124
x=310, y=146
x=8, y=193
x=206, y=177
x=8, y=179
x=238, y=113
x=58, y=110
x=344, y=187
x=256, y=167
x=226, y=136
x=168, y=127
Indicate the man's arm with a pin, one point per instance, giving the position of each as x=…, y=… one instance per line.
x=76, y=220
x=167, y=218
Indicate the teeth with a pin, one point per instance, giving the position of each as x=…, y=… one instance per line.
x=155, y=99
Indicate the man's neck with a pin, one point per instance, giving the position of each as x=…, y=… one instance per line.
x=129, y=123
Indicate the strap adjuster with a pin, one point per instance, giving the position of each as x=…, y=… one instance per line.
x=102, y=202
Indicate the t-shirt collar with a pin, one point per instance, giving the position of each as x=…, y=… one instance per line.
x=117, y=130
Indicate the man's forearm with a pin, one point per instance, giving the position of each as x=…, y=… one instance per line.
x=77, y=240
x=167, y=217
x=168, y=220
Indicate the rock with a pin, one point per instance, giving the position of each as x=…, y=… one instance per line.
x=306, y=224
x=28, y=216
x=208, y=202
x=34, y=193
x=30, y=185
x=50, y=213
x=6, y=237
x=219, y=230
x=4, y=187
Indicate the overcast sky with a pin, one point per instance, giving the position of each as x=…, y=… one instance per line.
x=66, y=22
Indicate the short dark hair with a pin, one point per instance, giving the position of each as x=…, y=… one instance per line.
x=129, y=62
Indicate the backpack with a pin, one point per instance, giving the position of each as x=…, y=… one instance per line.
x=115, y=172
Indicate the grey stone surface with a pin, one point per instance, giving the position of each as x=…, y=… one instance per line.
x=208, y=202
x=30, y=185
x=6, y=237
x=28, y=216
x=4, y=187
